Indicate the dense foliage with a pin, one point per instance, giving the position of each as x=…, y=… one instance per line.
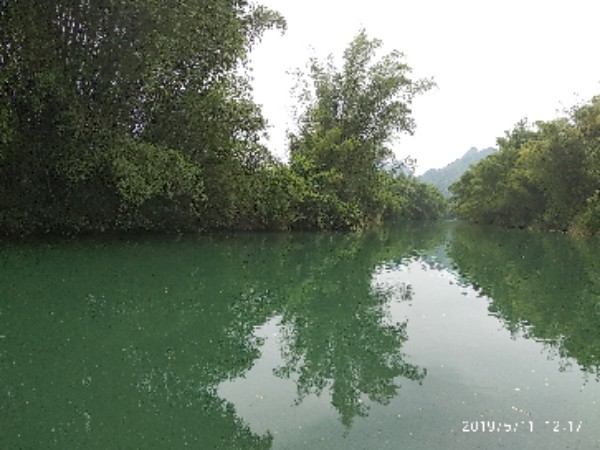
x=138, y=114
x=125, y=114
x=545, y=176
x=348, y=116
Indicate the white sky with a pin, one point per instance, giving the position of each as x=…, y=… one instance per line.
x=495, y=62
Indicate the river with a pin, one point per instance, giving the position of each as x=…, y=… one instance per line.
x=417, y=336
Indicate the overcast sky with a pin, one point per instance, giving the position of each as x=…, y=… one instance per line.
x=495, y=62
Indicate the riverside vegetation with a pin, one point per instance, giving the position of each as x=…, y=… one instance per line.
x=544, y=176
x=138, y=115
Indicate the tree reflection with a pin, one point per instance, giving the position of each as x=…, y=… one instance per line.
x=543, y=286
x=123, y=344
x=337, y=335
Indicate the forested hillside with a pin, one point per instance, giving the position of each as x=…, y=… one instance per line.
x=446, y=176
x=545, y=176
x=137, y=115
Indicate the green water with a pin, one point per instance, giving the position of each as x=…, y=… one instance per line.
x=444, y=336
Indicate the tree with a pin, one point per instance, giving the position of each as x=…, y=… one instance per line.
x=545, y=176
x=554, y=165
x=415, y=200
x=587, y=119
x=486, y=192
x=92, y=91
x=348, y=117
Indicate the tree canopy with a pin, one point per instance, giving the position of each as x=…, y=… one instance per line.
x=348, y=117
x=545, y=175
x=127, y=114
x=138, y=114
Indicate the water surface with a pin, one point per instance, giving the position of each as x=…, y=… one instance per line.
x=413, y=336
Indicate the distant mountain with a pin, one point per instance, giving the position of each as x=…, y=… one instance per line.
x=444, y=177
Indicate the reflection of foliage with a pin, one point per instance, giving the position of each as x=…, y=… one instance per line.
x=352, y=355
x=135, y=337
x=336, y=335
x=403, y=291
x=138, y=335
x=546, y=287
